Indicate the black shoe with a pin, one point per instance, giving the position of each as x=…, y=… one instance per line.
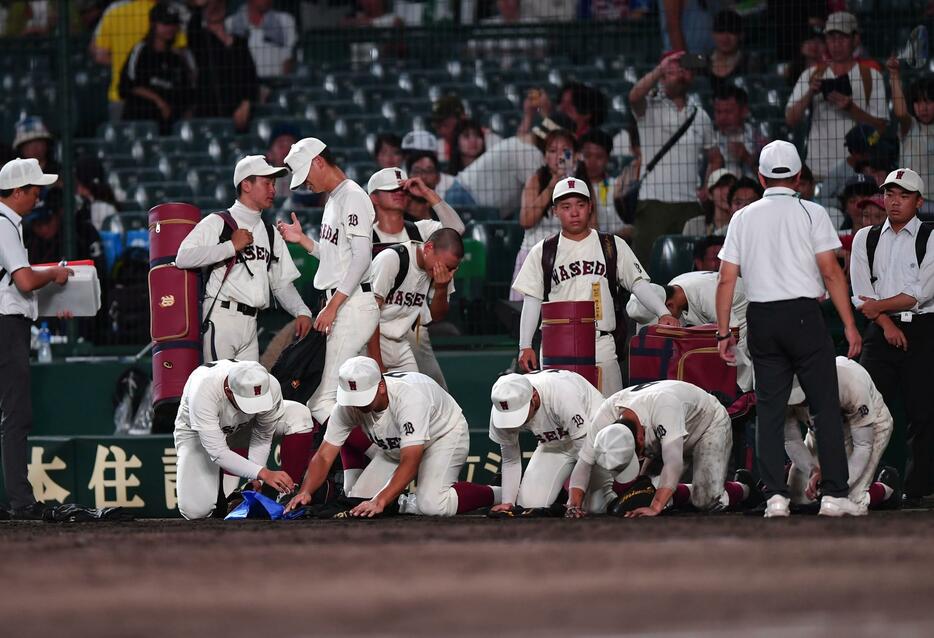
x=33, y=512
x=911, y=502
x=744, y=476
x=888, y=476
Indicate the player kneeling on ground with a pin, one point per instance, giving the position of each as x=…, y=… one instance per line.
x=867, y=426
x=220, y=398
x=403, y=275
x=421, y=432
x=670, y=421
x=554, y=405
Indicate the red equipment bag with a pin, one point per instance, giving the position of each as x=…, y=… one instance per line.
x=569, y=338
x=173, y=301
x=684, y=354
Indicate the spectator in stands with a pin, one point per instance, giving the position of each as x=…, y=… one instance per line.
x=744, y=192
x=227, y=83
x=505, y=50
x=446, y=113
x=806, y=187
x=838, y=93
x=121, y=27
x=668, y=196
x=858, y=142
x=497, y=178
x=536, y=215
x=873, y=209
x=469, y=144
x=727, y=61
x=270, y=34
x=387, y=151
x=421, y=160
x=371, y=13
x=613, y=10
x=857, y=188
x=32, y=18
x=915, y=116
x=156, y=82
x=43, y=237
x=707, y=253
x=96, y=198
x=595, y=148
x=739, y=142
x=281, y=139
x=717, y=213
x=584, y=104
x=32, y=140
x=687, y=25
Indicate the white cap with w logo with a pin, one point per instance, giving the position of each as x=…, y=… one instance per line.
x=907, y=179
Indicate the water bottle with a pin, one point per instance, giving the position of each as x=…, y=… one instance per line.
x=45, y=344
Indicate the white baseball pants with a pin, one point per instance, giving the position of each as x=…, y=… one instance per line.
x=352, y=328
x=709, y=460
x=230, y=335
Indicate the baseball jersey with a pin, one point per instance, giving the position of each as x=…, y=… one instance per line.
x=425, y=228
x=700, y=288
x=348, y=212
x=250, y=280
x=861, y=403
x=568, y=403
x=666, y=409
x=579, y=274
x=419, y=413
x=206, y=411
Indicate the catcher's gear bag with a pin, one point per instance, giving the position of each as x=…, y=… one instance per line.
x=638, y=494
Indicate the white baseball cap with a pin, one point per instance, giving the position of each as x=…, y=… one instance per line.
x=386, y=179
x=717, y=175
x=249, y=383
x=779, y=159
x=511, y=396
x=907, y=179
x=841, y=21
x=357, y=382
x=420, y=141
x=615, y=451
x=24, y=172
x=570, y=186
x=297, y=417
x=256, y=166
x=299, y=159
x=637, y=310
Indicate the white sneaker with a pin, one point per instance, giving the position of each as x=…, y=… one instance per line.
x=834, y=506
x=776, y=506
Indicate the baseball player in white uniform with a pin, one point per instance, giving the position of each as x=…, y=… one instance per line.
x=579, y=274
x=423, y=269
x=421, y=432
x=235, y=301
x=691, y=298
x=345, y=255
x=556, y=407
x=390, y=190
x=219, y=399
x=867, y=428
x=671, y=421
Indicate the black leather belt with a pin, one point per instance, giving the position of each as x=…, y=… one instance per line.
x=363, y=287
x=20, y=317
x=243, y=309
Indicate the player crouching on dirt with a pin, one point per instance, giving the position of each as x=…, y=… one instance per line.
x=668, y=421
x=220, y=398
x=421, y=432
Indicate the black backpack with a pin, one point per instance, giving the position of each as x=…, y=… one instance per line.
x=872, y=242
x=128, y=298
x=410, y=229
x=300, y=366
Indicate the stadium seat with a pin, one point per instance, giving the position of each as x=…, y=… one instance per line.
x=149, y=150
x=175, y=167
x=121, y=133
x=672, y=255
x=470, y=214
x=148, y=195
x=205, y=179
x=196, y=131
x=127, y=179
x=502, y=240
x=472, y=271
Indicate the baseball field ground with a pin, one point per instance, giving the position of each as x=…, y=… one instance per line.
x=722, y=575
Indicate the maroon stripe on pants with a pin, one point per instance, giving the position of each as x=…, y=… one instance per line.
x=471, y=496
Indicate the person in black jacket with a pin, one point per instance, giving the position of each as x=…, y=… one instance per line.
x=157, y=81
x=227, y=83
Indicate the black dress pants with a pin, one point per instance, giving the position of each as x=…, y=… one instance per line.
x=15, y=408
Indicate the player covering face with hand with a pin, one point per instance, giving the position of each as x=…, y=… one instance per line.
x=421, y=433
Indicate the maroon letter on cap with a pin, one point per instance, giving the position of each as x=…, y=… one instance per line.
x=257, y=390
x=570, y=183
x=899, y=174
x=353, y=385
x=503, y=405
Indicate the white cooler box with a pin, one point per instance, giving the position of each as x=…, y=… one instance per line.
x=81, y=296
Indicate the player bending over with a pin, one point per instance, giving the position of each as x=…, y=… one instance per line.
x=421, y=433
